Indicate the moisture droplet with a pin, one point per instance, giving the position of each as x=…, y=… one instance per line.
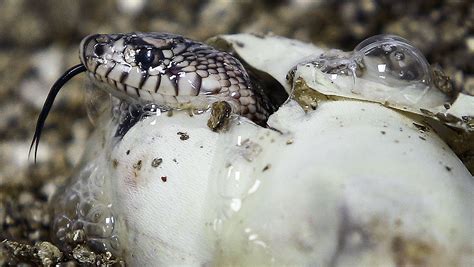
x=396, y=72
x=399, y=56
x=393, y=61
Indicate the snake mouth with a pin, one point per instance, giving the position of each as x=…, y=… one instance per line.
x=53, y=92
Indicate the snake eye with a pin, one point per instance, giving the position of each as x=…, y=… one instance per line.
x=99, y=49
x=147, y=58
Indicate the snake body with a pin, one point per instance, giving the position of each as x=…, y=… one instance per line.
x=164, y=69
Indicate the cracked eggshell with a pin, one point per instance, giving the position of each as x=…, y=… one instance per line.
x=285, y=54
x=352, y=182
x=306, y=196
x=382, y=199
x=459, y=114
x=273, y=54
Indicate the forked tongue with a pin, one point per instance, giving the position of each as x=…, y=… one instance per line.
x=53, y=92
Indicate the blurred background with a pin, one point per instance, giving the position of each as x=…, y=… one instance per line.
x=39, y=40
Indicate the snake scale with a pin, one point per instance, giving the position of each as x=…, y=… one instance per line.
x=165, y=69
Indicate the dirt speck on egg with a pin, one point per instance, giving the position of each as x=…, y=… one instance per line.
x=156, y=162
x=183, y=135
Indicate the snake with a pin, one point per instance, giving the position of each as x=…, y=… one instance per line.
x=165, y=69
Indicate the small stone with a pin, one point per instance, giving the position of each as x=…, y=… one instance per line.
x=130, y=7
x=3, y=256
x=35, y=235
x=49, y=189
x=67, y=264
x=442, y=82
x=25, y=198
x=220, y=115
x=34, y=217
x=306, y=97
x=43, y=253
x=48, y=253
x=9, y=220
x=470, y=44
x=78, y=236
x=83, y=254
x=469, y=85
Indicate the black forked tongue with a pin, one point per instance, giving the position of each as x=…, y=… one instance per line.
x=49, y=103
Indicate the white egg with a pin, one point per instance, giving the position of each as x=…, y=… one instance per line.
x=346, y=182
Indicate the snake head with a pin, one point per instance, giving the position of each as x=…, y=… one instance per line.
x=166, y=69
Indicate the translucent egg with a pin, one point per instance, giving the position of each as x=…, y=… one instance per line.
x=96, y=101
x=392, y=60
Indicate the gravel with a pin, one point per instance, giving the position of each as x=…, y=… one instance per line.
x=37, y=48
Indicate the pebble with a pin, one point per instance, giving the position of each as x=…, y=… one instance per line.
x=48, y=253
x=470, y=44
x=83, y=255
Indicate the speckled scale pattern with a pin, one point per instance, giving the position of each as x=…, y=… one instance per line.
x=220, y=66
x=183, y=72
